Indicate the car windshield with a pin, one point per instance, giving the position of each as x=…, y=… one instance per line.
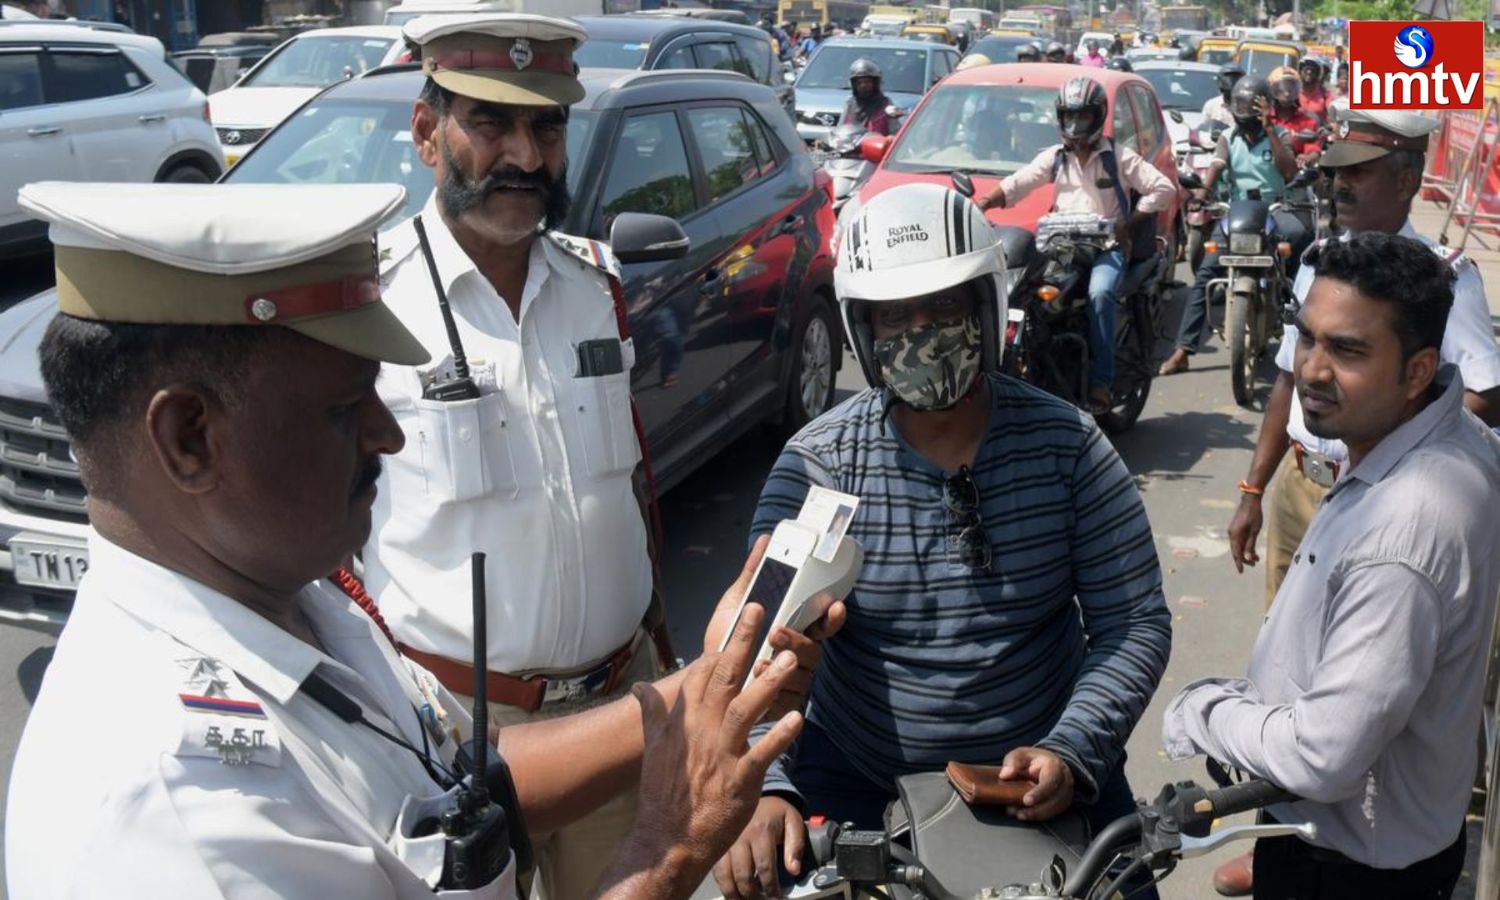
x=362, y=142
x=320, y=61
x=1217, y=56
x=887, y=29
x=1262, y=62
x=603, y=54
x=991, y=129
x=1000, y=49
x=902, y=70
x=1182, y=88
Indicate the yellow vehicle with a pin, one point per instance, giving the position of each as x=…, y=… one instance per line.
x=1260, y=58
x=807, y=13
x=1011, y=32
x=1184, y=18
x=1217, y=50
x=933, y=34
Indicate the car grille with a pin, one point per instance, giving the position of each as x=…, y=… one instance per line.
x=37, y=472
x=240, y=137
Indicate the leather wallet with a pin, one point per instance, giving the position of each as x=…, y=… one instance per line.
x=981, y=785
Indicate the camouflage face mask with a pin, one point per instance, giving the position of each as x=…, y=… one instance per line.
x=931, y=367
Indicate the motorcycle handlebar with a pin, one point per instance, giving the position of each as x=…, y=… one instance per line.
x=1243, y=797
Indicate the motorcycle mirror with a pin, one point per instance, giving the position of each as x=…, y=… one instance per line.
x=1175, y=115
x=963, y=184
x=894, y=111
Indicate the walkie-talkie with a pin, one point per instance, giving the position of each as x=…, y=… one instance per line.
x=460, y=386
x=478, y=840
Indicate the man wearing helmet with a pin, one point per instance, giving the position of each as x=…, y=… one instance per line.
x=1089, y=172
x=1257, y=155
x=1315, y=97
x=1119, y=64
x=867, y=102
x=1010, y=607
x=1093, y=58
x=1056, y=53
x=1286, y=111
x=1029, y=52
x=1216, y=109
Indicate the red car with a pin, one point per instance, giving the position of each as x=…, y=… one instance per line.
x=989, y=121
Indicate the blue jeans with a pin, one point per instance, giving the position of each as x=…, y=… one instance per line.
x=1104, y=286
x=834, y=788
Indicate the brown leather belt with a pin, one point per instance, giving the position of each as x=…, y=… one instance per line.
x=1316, y=467
x=533, y=692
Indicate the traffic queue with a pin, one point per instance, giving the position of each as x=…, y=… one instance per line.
x=367, y=440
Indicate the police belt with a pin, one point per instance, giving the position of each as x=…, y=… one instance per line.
x=1316, y=467
x=532, y=692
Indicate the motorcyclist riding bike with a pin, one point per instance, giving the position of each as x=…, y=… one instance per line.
x=1258, y=157
x=1056, y=53
x=1315, y=96
x=1084, y=183
x=1029, y=52
x=1119, y=64
x=1217, y=108
x=1286, y=97
x=866, y=107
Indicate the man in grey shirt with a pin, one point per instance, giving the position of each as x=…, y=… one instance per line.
x=1363, y=693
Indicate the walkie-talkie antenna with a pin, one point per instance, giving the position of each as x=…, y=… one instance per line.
x=460, y=360
x=481, y=673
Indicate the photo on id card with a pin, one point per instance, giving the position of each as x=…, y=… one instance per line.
x=830, y=512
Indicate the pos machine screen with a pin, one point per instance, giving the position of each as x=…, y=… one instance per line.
x=771, y=584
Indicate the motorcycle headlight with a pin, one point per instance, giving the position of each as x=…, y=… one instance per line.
x=1244, y=244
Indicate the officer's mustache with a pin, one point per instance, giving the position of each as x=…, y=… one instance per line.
x=461, y=195
x=369, y=473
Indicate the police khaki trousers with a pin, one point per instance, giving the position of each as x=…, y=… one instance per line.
x=1294, y=500
x=571, y=861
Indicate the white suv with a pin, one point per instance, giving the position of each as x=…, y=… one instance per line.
x=93, y=104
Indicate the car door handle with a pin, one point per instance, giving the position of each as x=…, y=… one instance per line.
x=151, y=120
x=43, y=132
x=711, y=283
x=789, y=225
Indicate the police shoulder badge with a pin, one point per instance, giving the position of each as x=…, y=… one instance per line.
x=222, y=719
x=520, y=53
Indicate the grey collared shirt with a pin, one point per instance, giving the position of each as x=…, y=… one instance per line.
x=1363, y=694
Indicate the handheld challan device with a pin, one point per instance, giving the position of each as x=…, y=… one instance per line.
x=460, y=386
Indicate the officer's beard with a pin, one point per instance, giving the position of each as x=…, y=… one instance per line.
x=460, y=195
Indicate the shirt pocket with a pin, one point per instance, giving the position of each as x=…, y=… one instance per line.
x=605, y=421
x=465, y=447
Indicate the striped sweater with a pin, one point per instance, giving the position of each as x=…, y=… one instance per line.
x=1059, y=645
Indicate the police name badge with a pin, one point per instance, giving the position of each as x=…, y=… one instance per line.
x=221, y=719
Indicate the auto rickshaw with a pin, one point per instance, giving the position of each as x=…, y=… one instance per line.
x=1261, y=57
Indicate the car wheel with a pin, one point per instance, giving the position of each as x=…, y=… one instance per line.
x=186, y=174
x=814, y=349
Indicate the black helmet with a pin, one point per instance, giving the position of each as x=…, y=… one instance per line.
x=1081, y=95
x=864, y=67
x=1242, y=99
x=1229, y=74
x=1320, y=71
x=1056, y=52
x=1119, y=64
x=1029, y=52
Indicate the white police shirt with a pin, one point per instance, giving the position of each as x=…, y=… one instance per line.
x=172, y=752
x=536, y=472
x=1468, y=342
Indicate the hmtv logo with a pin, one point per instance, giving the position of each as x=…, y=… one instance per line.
x=1416, y=65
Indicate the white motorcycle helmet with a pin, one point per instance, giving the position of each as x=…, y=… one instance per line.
x=910, y=241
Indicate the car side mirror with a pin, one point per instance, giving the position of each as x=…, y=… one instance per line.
x=873, y=147
x=1175, y=115
x=644, y=237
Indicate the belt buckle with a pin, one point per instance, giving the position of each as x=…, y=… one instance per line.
x=568, y=690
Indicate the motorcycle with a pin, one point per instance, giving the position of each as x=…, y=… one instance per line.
x=1201, y=218
x=841, y=158
x=1047, y=336
x=959, y=852
x=1257, y=284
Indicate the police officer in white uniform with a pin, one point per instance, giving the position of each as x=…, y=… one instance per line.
x=183, y=743
x=540, y=468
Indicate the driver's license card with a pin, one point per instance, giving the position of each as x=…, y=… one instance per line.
x=830, y=512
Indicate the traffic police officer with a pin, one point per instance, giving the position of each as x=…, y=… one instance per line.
x=184, y=743
x=541, y=467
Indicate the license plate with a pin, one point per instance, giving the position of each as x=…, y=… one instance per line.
x=1246, y=262
x=50, y=564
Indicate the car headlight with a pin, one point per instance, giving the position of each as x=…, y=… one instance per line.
x=1244, y=244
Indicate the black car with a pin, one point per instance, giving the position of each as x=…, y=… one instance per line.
x=220, y=59
x=646, y=41
x=741, y=331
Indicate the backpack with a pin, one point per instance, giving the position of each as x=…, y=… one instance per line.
x=1143, y=234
